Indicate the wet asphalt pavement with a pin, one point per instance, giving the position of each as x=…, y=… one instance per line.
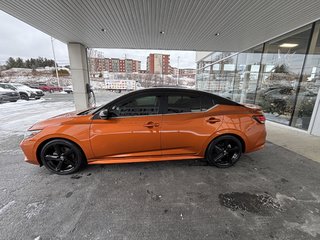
x=270, y=194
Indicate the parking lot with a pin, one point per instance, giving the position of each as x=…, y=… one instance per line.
x=270, y=194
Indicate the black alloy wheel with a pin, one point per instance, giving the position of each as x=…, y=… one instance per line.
x=24, y=96
x=224, y=151
x=62, y=157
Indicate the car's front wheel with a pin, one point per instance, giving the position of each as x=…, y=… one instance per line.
x=224, y=151
x=62, y=157
x=24, y=96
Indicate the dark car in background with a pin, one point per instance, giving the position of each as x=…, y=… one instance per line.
x=282, y=99
x=8, y=95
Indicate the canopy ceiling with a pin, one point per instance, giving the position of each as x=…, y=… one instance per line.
x=187, y=24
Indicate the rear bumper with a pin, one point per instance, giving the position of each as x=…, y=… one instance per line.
x=257, y=139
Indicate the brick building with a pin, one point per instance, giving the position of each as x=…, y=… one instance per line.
x=114, y=65
x=158, y=63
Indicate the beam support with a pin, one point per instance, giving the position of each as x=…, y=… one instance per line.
x=80, y=74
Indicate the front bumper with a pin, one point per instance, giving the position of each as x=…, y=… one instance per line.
x=28, y=148
x=12, y=98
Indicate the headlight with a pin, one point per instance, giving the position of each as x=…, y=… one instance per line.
x=31, y=133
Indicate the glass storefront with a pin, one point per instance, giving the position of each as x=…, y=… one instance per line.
x=282, y=76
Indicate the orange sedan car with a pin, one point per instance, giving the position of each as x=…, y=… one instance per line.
x=157, y=124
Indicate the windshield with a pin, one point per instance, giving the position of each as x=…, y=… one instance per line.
x=7, y=86
x=88, y=111
x=11, y=87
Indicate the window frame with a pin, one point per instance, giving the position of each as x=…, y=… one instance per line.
x=128, y=98
x=162, y=93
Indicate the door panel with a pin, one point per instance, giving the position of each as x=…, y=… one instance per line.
x=126, y=137
x=187, y=125
x=186, y=133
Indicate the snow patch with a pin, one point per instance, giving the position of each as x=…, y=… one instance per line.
x=310, y=226
x=17, y=117
x=7, y=206
x=280, y=198
x=34, y=209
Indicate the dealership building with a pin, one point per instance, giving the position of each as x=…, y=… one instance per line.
x=260, y=52
x=281, y=75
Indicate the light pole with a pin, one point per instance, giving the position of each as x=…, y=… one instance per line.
x=178, y=72
x=55, y=62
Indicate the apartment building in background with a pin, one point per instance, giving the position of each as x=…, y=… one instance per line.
x=158, y=63
x=114, y=65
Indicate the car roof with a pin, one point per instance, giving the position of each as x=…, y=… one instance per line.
x=170, y=90
x=217, y=99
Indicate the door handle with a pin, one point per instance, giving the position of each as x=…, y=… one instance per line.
x=213, y=120
x=151, y=125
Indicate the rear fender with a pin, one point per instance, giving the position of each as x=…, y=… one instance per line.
x=233, y=132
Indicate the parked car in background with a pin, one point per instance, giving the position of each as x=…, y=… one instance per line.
x=68, y=89
x=8, y=95
x=46, y=88
x=282, y=99
x=235, y=95
x=25, y=92
x=157, y=124
x=231, y=94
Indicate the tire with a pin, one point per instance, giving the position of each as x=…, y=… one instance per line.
x=62, y=157
x=224, y=151
x=13, y=100
x=24, y=96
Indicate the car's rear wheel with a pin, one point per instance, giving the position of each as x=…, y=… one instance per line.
x=62, y=157
x=224, y=151
x=24, y=96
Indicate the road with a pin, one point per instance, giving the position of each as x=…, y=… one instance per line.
x=270, y=194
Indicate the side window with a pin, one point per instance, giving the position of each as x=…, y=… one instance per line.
x=181, y=103
x=206, y=103
x=137, y=106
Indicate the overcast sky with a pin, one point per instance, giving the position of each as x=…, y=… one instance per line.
x=18, y=39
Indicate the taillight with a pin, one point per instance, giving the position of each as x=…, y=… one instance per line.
x=259, y=118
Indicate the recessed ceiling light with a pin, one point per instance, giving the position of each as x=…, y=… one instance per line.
x=103, y=29
x=161, y=32
x=217, y=34
x=288, y=45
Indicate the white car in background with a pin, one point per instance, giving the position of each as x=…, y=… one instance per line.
x=68, y=89
x=25, y=92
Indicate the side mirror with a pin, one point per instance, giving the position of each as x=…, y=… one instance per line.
x=104, y=114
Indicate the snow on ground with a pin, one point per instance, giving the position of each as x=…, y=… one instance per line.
x=16, y=118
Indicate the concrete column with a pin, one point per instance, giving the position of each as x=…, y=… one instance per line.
x=80, y=74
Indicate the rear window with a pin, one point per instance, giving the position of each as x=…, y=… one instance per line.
x=183, y=103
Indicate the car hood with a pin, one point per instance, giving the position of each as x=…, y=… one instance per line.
x=28, y=88
x=56, y=120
